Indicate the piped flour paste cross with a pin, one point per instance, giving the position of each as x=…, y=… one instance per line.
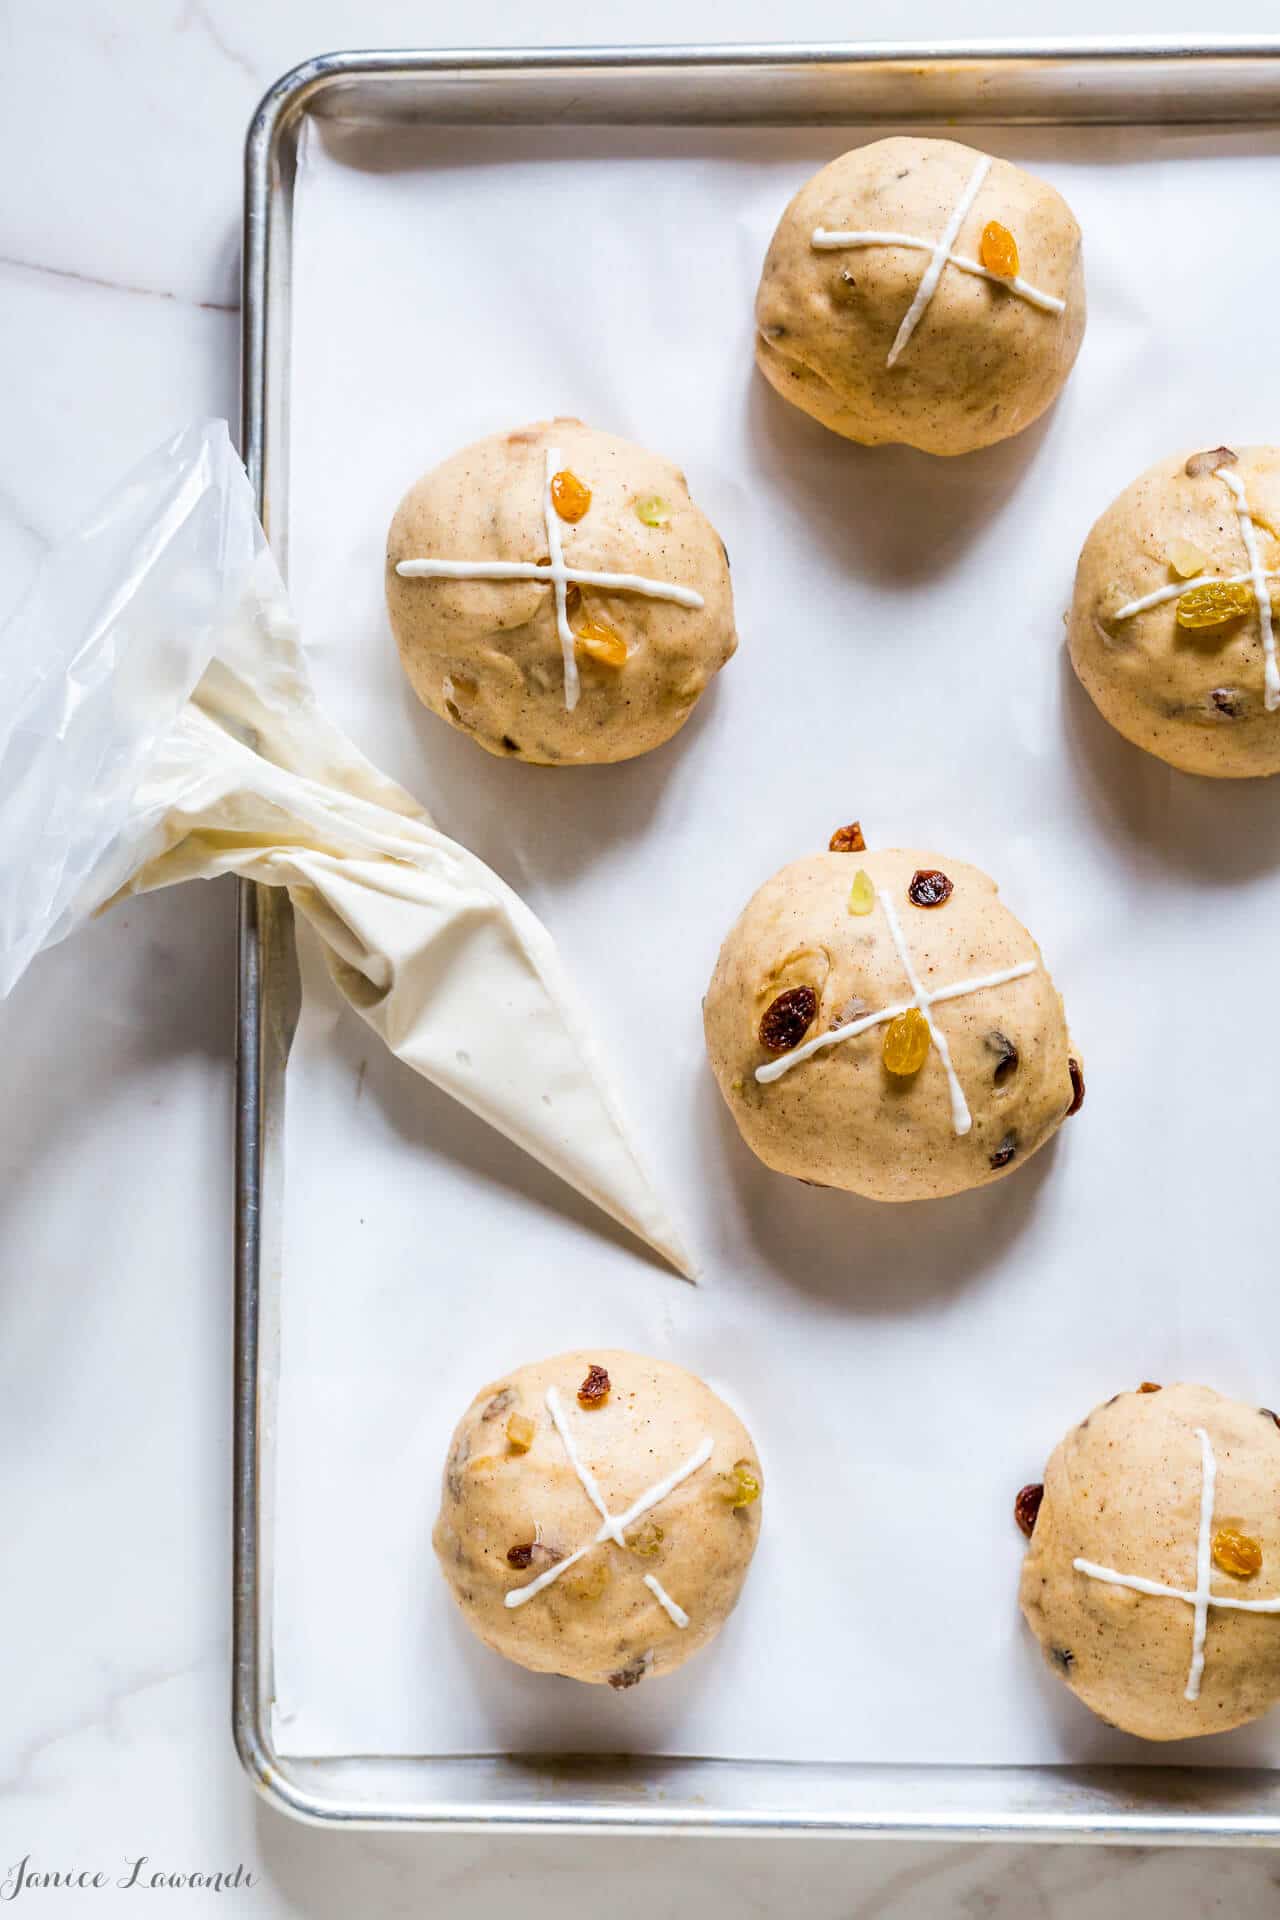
x=1257, y=577
x=961, y=1118
x=1198, y=1597
x=940, y=256
x=612, y=1526
x=556, y=575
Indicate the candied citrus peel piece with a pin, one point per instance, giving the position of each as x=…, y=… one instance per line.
x=1185, y=559
x=1213, y=603
x=601, y=643
x=520, y=1432
x=862, y=894
x=647, y=1539
x=999, y=251
x=652, y=509
x=569, y=496
x=1236, y=1553
x=590, y=1583
x=741, y=1487
x=906, y=1043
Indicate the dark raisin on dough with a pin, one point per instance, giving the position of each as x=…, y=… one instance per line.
x=1062, y=1658
x=594, y=1390
x=847, y=839
x=1226, y=700
x=1006, y=1056
x=1210, y=462
x=1270, y=1415
x=1077, y=1086
x=512, y=746
x=929, y=888
x=631, y=1675
x=1026, y=1507
x=505, y=1397
x=787, y=1019
x=1005, y=1151
x=520, y=1556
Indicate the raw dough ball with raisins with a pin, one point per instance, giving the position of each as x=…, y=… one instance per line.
x=878, y=1112
x=488, y=655
x=1123, y=1492
x=1167, y=629
x=514, y=1509
x=980, y=361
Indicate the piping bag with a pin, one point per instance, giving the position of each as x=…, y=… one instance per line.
x=157, y=724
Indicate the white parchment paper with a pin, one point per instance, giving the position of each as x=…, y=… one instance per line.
x=904, y=1370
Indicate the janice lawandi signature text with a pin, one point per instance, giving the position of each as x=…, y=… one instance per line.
x=25, y=1876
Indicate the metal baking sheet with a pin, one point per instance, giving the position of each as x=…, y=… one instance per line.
x=1055, y=85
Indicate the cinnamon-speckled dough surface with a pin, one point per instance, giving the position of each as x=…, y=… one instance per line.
x=598, y=1621
x=840, y=1119
x=485, y=654
x=1123, y=1491
x=1193, y=698
x=982, y=363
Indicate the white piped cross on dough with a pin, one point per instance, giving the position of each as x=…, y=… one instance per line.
x=554, y=574
x=924, y=1000
x=612, y=1526
x=940, y=256
x=1257, y=577
x=1198, y=1598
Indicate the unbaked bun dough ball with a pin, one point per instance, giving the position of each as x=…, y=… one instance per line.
x=676, y=1471
x=825, y=1087
x=1125, y=1493
x=1170, y=627
x=600, y=670
x=884, y=341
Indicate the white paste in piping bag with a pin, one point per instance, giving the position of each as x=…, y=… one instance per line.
x=157, y=725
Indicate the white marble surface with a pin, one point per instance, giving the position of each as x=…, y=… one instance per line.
x=120, y=131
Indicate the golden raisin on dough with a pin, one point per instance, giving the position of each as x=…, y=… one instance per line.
x=520, y=1432
x=652, y=509
x=1026, y=1507
x=787, y=1019
x=594, y=1390
x=847, y=839
x=1236, y=1553
x=1149, y=1386
x=569, y=496
x=929, y=888
x=601, y=643
x=906, y=1043
x=1213, y=604
x=999, y=251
